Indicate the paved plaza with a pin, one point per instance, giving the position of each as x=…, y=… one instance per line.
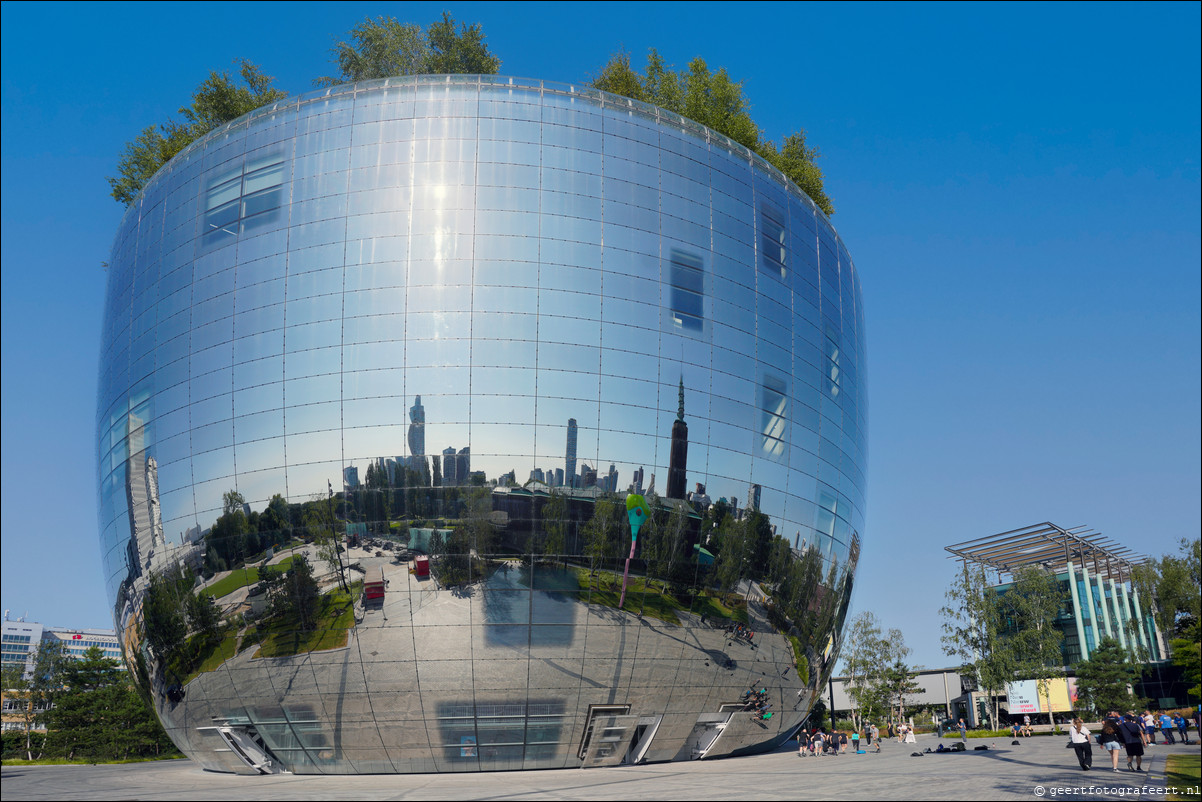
x=1038, y=767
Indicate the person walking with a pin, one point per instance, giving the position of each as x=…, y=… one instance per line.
x=1112, y=742
x=1079, y=737
x=963, y=731
x=1133, y=741
x=875, y=733
x=1166, y=728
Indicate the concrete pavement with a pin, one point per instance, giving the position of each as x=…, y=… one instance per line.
x=1003, y=773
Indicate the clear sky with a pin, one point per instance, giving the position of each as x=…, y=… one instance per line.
x=1018, y=185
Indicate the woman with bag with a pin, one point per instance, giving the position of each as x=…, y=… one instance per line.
x=1079, y=737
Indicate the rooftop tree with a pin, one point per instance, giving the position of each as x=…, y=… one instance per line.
x=218, y=100
x=718, y=102
x=384, y=47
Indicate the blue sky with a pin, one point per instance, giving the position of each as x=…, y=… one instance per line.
x=1017, y=183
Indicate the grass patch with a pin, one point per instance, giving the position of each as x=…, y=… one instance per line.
x=799, y=660
x=240, y=577
x=652, y=599
x=605, y=589
x=954, y=734
x=208, y=653
x=713, y=607
x=1183, y=775
x=224, y=650
x=62, y=761
x=335, y=618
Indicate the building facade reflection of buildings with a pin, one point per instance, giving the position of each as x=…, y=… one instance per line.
x=678, y=464
x=569, y=470
x=280, y=289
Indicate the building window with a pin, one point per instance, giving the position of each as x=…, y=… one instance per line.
x=240, y=199
x=686, y=279
x=774, y=420
x=772, y=241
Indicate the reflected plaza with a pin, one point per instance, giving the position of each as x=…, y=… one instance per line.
x=382, y=368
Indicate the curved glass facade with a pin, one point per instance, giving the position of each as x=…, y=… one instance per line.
x=382, y=367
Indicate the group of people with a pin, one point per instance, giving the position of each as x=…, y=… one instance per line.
x=1167, y=723
x=757, y=702
x=740, y=632
x=818, y=742
x=1021, y=729
x=1127, y=732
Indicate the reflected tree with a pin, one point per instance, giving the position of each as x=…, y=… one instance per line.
x=603, y=531
x=554, y=526
x=293, y=595
x=321, y=528
x=34, y=692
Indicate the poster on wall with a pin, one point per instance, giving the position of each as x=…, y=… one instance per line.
x=1023, y=697
x=1060, y=696
x=1057, y=699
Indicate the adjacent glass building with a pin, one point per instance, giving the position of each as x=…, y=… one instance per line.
x=451, y=324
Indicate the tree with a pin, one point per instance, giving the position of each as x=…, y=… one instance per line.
x=458, y=53
x=879, y=678
x=972, y=626
x=275, y=525
x=718, y=102
x=1030, y=607
x=320, y=526
x=384, y=48
x=1168, y=588
x=1104, y=680
x=864, y=658
x=36, y=689
x=1008, y=634
x=293, y=595
x=555, y=525
x=602, y=533
x=897, y=681
x=1187, y=654
x=98, y=715
x=217, y=101
x=163, y=624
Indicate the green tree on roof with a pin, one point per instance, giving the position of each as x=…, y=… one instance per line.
x=717, y=101
x=218, y=100
x=384, y=47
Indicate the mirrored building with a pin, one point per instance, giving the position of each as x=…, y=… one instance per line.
x=366, y=356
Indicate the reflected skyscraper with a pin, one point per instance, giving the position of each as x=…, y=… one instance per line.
x=753, y=497
x=569, y=469
x=679, y=458
x=417, y=428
